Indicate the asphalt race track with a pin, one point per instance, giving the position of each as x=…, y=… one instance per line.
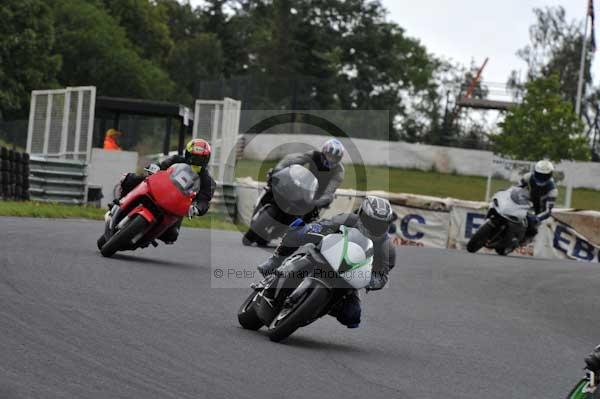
x=147, y=324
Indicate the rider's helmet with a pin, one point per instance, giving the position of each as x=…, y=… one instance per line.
x=197, y=154
x=332, y=153
x=375, y=216
x=542, y=173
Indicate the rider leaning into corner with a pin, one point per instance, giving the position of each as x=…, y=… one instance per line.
x=197, y=155
x=588, y=387
x=542, y=193
x=325, y=165
x=592, y=363
x=373, y=219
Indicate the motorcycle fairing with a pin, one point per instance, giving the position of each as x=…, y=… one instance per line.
x=350, y=254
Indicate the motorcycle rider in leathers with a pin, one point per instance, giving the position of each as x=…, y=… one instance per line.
x=197, y=154
x=542, y=193
x=373, y=219
x=325, y=165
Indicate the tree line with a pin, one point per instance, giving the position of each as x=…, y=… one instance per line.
x=297, y=54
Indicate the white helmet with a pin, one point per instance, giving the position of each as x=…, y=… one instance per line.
x=332, y=152
x=542, y=173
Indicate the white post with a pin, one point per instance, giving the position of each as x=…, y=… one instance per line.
x=47, y=126
x=31, y=119
x=92, y=118
x=196, y=117
x=582, y=66
x=78, y=124
x=65, y=124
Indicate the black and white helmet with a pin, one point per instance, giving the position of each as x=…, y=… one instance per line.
x=375, y=215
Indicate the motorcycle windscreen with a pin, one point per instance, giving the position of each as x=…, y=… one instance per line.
x=506, y=204
x=520, y=196
x=294, y=189
x=173, y=189
x=350, y=254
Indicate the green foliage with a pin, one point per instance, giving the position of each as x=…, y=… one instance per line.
x=27, y=61
x=297, y=54
x=555, y=48
x=327, y=54
x=187, y=63
x=96, y=51
x=145, y=25
x=542, y=126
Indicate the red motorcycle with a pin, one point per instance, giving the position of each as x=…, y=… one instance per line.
x=150, y=209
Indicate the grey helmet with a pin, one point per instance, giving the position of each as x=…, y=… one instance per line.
x=375, y=216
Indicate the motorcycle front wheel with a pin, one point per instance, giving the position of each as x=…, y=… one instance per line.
x=481, y=236
x=122, y=239
x=292, y=317
x=247, y=316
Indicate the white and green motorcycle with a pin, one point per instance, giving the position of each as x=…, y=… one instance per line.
x=309, y=283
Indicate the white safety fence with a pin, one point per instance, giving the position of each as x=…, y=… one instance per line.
x=219, y=122
x=449, y=223
x=61, y=123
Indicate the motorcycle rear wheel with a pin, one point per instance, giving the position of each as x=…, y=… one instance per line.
x=480, y=237
x=300, y=313
x=135, y=226
x=247, y=316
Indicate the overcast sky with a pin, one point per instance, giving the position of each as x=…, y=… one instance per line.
x=465, y=30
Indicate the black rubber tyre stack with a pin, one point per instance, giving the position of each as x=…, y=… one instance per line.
x=4, y=171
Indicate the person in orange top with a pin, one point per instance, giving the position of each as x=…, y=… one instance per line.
x=110, y=140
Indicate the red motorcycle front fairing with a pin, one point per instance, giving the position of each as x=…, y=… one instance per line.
x=166, y=195
x=159, y=200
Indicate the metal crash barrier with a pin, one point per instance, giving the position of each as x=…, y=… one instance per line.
x=62, y=181
x=449, y=223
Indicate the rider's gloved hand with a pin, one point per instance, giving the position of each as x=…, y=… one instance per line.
x=533, y=220
x=198, y=209
x=152, y=168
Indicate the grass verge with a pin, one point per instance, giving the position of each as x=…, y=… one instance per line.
x=418, y=182
x=60, y=211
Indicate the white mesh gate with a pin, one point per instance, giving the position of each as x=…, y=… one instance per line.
x=219, y=123
x=61, y=123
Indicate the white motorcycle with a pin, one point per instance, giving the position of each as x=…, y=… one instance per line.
x=309, y=283
x=506, y=222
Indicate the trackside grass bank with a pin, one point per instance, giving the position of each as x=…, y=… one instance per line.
x=418, y=182
x=59, y=211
